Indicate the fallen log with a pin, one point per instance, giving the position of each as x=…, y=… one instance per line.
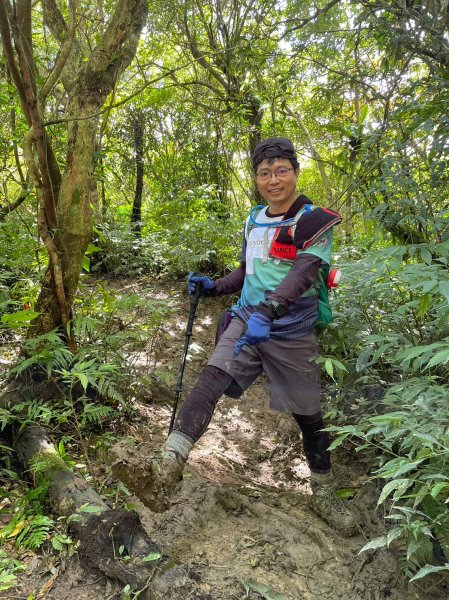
x=112, y=541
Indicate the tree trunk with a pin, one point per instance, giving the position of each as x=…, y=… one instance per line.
x=64, y=216
x=139, y=130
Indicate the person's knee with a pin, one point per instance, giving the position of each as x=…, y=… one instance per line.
x=310, y=422
x=221, y=380
x=233, y=390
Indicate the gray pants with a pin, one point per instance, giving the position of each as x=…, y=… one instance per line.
x=290, y=366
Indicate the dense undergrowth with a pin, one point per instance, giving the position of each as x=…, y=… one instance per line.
x=391, y=333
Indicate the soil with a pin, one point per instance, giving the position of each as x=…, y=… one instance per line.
x=241, y=524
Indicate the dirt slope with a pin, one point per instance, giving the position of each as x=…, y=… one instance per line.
x=241, y=523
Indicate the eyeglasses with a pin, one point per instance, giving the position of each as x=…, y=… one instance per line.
x=280, y=173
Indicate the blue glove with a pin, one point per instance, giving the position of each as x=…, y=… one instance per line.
x=257, y=331
x=196, y=279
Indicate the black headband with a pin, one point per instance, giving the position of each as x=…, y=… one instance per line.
x=273, y=147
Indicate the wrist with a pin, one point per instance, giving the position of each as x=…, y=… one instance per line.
x=209, y=287
x=272, y=309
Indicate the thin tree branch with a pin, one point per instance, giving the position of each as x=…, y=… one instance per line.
x=315, y=15
x=8, y=50
x=199, y=56
x=62, y=58
x=313, y=150
x=121, y=102
x=6, y=210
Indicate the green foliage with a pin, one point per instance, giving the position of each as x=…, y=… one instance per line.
x=45, y=353
x=122, y=254
x=189, y=230
x=396, y=332
x=99, y=379
x=9, y=568
x=390, y=314
x=26, y=526
x=203, y=237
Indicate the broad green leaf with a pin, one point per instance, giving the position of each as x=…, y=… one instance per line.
x=427, y=569
x=422, y=492
x=338, y=441
x=425, y=437
x=444, y=289
x=379, y=542
x=151, y=557
x=83, y=380
x=437, y=488
x=424, y=305
x=393, y=417
x=393, y=535
x=346, y=493
x=413, y=547
x=363, y=359
x=22, y=318
x=89, y=508
x=401, y=484
x=329, y=367
x=86, y=263
x=59, y=541
x=395, y=468
x=426, y=256
x=440, y=358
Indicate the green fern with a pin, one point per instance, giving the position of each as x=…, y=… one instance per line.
x=28, y=532
x=96, y=413
x=85, y=326
x=35, y=532
x=9, y=567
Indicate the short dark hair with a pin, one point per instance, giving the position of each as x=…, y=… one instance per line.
x=273, y=159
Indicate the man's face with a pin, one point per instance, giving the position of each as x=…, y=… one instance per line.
x=276, y=182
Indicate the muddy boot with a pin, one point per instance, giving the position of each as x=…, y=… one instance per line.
x=154, y=480
x=329, y=506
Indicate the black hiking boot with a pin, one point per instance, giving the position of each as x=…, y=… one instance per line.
x=327, y=505
x=153, y=480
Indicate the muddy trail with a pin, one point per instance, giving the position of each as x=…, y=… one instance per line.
x=241, y=521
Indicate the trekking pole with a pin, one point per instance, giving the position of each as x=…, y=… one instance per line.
x=193, y=306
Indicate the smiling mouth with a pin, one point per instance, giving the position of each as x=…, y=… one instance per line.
x=275, y=191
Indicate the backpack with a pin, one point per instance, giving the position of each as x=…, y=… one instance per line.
x=324, y=316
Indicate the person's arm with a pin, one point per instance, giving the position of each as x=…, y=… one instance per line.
x=299, y=279
x=231, y=283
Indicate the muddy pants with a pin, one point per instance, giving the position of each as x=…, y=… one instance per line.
x=225, y=375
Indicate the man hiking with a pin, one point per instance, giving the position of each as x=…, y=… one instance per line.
x=271, y=330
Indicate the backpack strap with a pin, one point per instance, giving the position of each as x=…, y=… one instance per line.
x=288, y=220
x=311, y=224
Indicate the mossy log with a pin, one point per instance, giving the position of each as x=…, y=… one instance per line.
x=112, y=541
